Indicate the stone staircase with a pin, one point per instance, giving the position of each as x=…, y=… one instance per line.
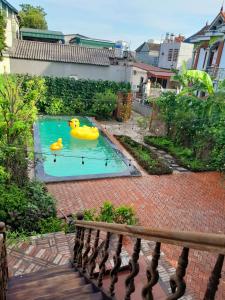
x=60, y=283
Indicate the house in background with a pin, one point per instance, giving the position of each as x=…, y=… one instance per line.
x=148, y=53
x=174, y=51
x=143, y=74
x=11, y=30
x=40, y=35
x=209, y=52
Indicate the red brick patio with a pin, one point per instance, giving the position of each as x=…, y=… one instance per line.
x=189, y=201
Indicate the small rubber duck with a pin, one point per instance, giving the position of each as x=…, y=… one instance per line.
x=57, y=145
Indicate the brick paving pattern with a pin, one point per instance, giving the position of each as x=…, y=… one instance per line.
x=185, y=201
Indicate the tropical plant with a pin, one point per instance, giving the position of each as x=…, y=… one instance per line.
x=192, y=81
x=32, y=17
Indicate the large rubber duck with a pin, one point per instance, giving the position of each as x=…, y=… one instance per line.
x=57, y=145
x=84, y=132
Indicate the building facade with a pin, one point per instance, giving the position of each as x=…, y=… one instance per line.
x=148, y=53
x=11, y=31
x=209, y=51
x=174, y=52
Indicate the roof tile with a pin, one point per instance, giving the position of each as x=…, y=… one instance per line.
x=61, y=53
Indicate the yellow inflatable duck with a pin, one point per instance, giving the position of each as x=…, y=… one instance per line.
x=57, y=145
x=84, y=132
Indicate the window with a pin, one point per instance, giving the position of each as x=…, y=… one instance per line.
x=173, y=54
x=170, y=54
x=135, y=72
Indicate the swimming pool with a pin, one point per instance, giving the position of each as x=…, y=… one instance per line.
x=79, y=159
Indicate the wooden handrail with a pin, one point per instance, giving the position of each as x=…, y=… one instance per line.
x=196, y=240
x=3, y=263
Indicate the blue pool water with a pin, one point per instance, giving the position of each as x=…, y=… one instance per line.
x=68, y=160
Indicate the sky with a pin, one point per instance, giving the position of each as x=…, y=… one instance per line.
x=134, y=21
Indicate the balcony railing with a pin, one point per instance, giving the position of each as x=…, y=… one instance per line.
x=85, y=256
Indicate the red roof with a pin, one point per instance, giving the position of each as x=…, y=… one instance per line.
x=154, y=71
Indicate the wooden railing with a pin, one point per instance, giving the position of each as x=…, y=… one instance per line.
x=85, y=256
x=3, y=263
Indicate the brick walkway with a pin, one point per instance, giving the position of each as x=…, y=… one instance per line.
x=186, y=201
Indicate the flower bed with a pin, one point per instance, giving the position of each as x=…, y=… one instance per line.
x=145, y=157
x=184, y=156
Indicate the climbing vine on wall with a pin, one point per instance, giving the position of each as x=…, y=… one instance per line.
x=2, y=34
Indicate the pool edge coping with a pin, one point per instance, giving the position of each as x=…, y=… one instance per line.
x=131, y=171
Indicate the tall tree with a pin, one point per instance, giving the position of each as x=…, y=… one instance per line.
x=32, y=17
x=2, y=34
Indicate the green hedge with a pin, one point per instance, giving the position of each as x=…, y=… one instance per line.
x=69, y=96
x=184, y=156
x=147, y=159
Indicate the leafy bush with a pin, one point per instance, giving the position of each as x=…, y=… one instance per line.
x=55, y=107
x=184, y=156
x=104, y=104
x=51, y=224
x=109, y=213
x=147, y=159
x=196, y=124
x=23, y=208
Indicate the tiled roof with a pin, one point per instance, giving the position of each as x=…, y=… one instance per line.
x=154, y=71
x=61, y=53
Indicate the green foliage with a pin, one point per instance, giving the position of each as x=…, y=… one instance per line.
x=198, y=125
x=109, y=213
x=184, y=156
x=23, y=208
x=18, y=99
x=82, y=97
x=147, y=159
x=2, y=34
x=104, y=104
x=51, y=224
x=32, y=17
x=55, y=107
x=192, y=81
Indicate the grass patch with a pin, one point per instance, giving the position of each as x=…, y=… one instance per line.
x=145, y=157
x=184, y=156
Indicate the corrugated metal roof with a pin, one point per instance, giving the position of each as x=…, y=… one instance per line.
x=33, y=50
x=154, y=71
x=41, y=31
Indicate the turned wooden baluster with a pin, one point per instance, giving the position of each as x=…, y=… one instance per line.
x=105, y=253
x=152, y=274
x=77, y=239
x=117, y=263
x=3, y=263
x=92, y=259
x=80, y=249
x=177, y=283
x=214, y=279
x=86, y=252
x=134, y=270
